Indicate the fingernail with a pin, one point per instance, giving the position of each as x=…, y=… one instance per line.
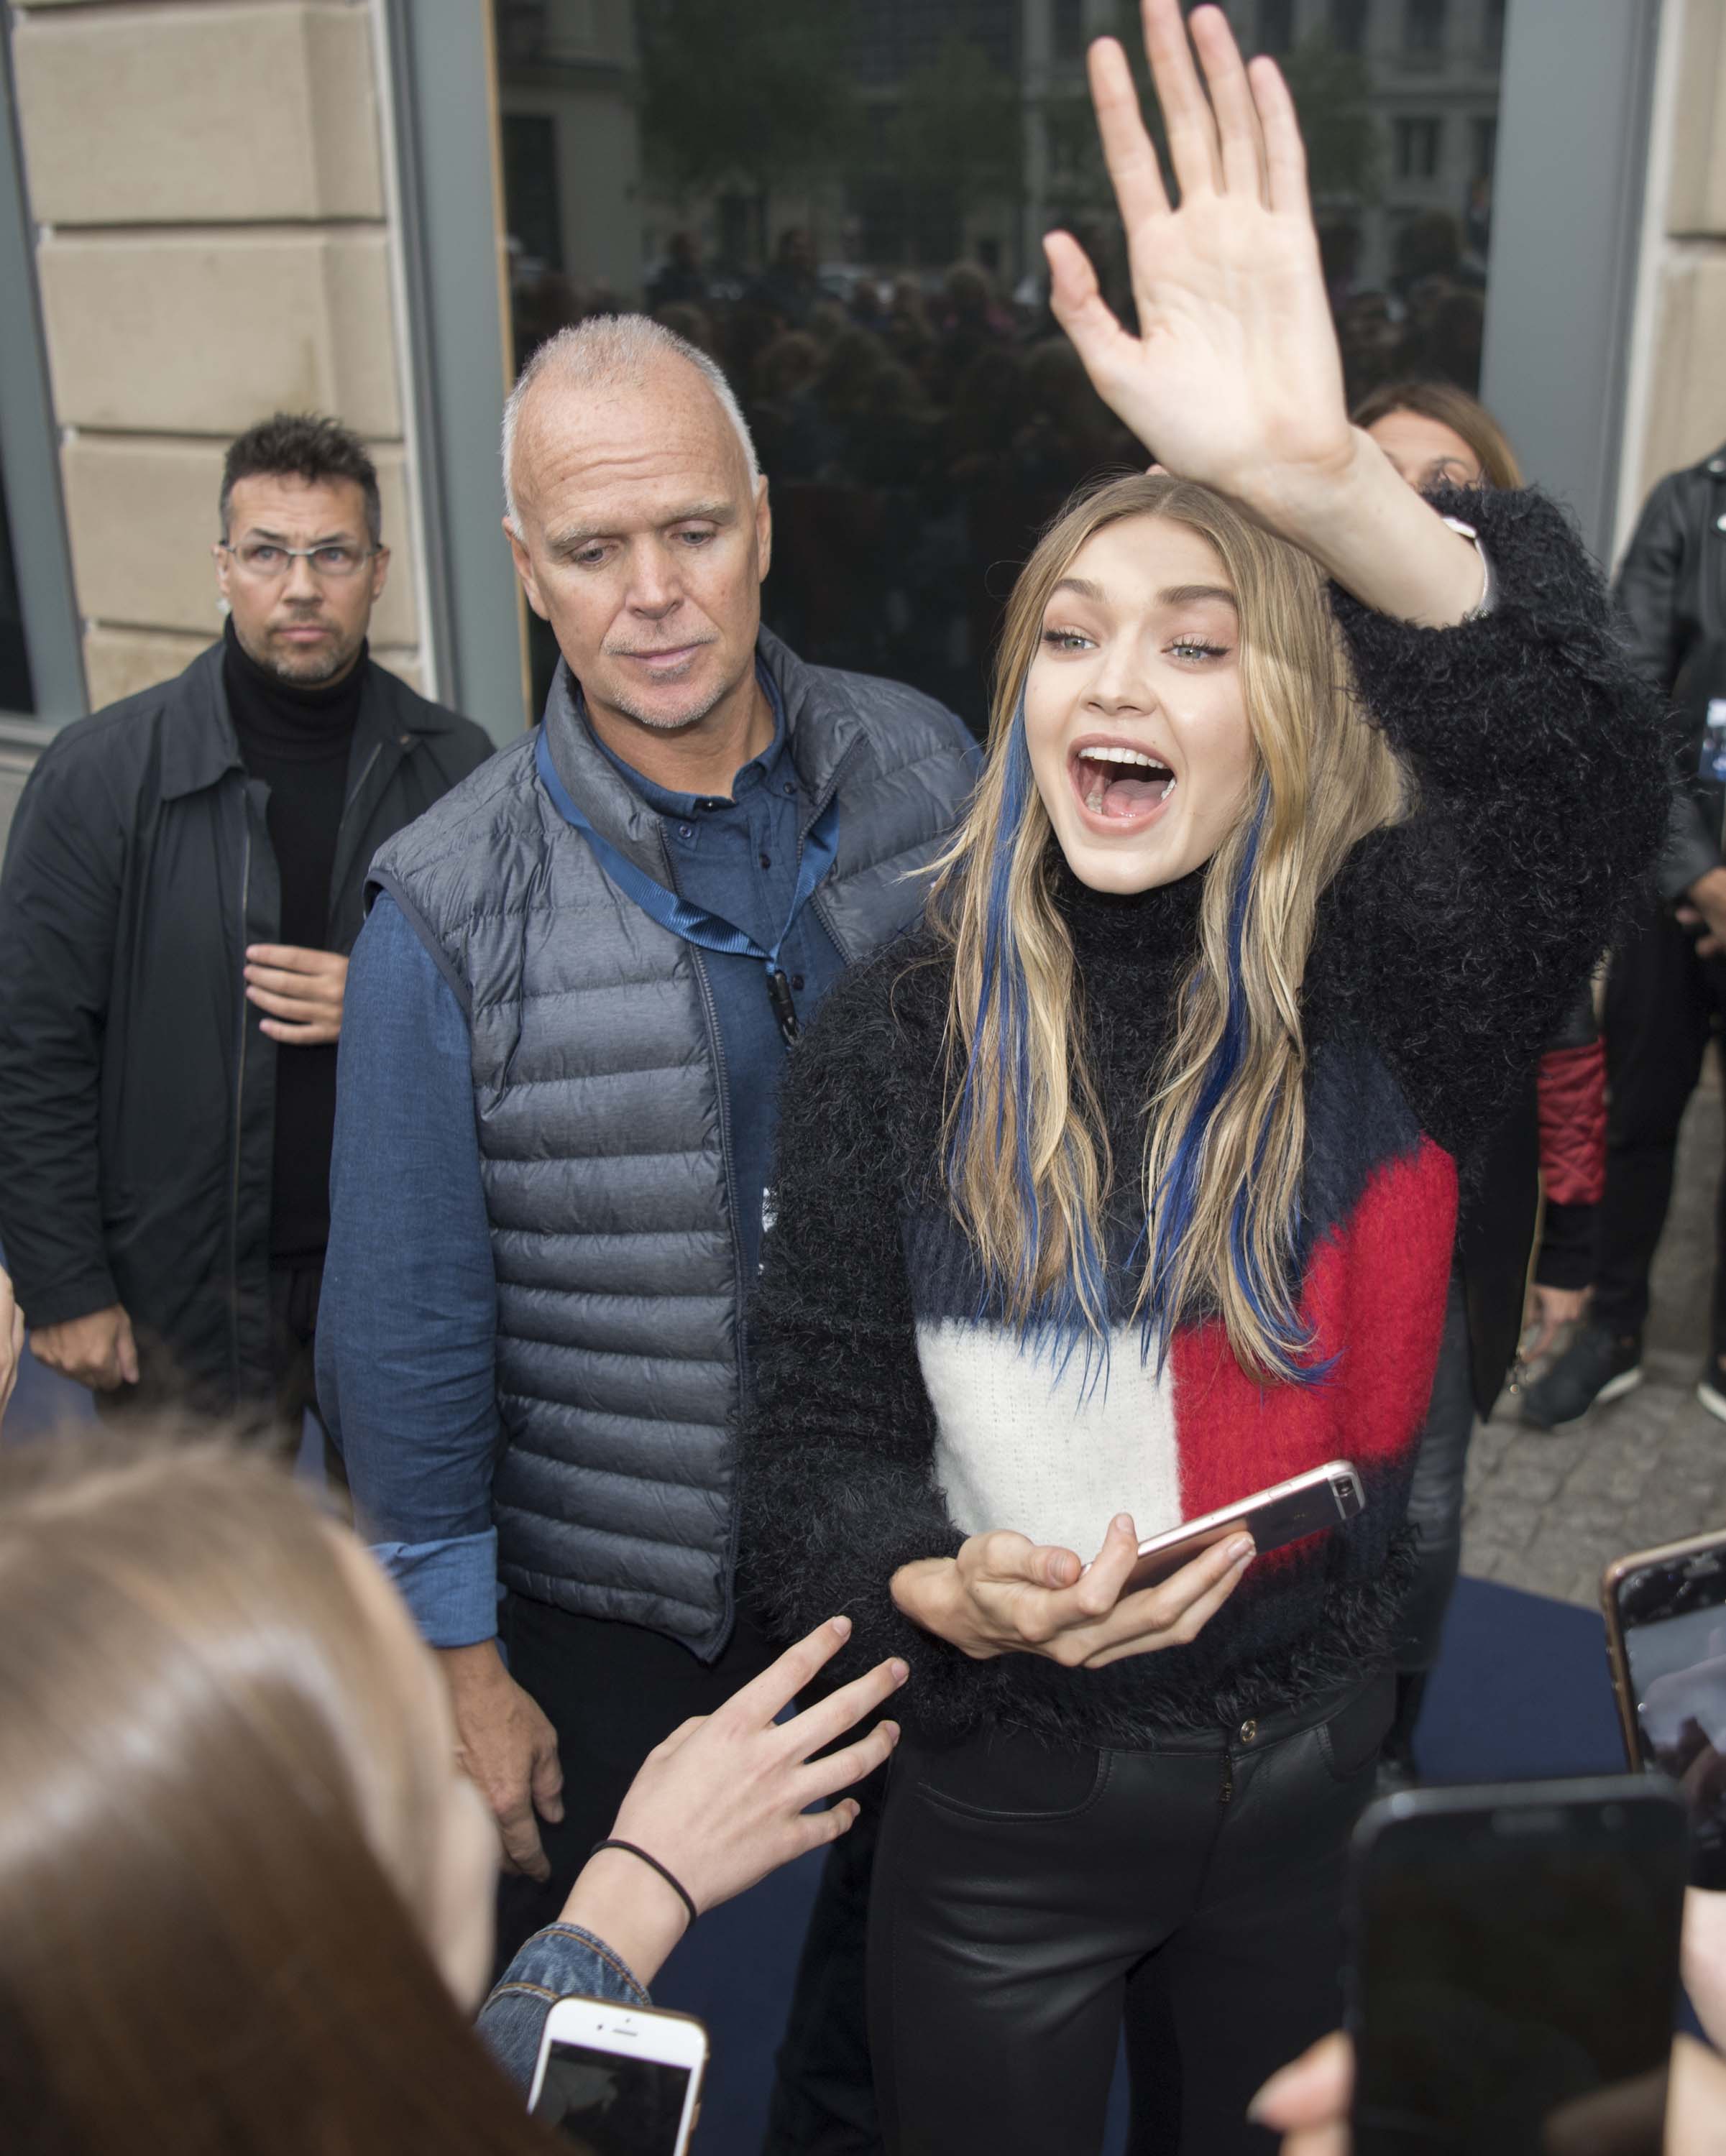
x=900, y=1670
x=1256, y=2109
x=1122, y=1523
x=1242, y=1548
x=842, y=1625
x=892, y=1730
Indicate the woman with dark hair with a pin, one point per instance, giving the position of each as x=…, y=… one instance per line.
x=246, y=1891
x=1552, y=1142
x=1128, y=1187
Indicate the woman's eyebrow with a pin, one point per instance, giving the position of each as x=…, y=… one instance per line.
x=1187, y=594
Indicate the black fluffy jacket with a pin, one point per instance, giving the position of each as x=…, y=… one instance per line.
x=1445, y=955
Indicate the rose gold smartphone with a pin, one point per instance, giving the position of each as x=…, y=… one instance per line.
x=1305, y=1505
x=1666, y=1640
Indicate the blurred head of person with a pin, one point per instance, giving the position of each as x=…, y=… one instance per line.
x=693, y=323
x=796, y=251
x=245, y=1892
x=969, y=293
x=791, y=361
x=301, y=560
x=1428, y=245
x=1171, y=696
x=639, y=521
x=1438, y=436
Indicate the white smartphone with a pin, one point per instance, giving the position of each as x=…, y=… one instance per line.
x=1287, y=1512
x=620, y=2081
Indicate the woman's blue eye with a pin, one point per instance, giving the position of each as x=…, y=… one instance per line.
x=1063, y=639
x=1191, y=647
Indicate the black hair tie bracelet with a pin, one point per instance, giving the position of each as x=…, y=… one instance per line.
x=653, y=1863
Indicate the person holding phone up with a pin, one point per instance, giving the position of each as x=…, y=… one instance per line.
x=1307, y=2101
x=1128, y=1187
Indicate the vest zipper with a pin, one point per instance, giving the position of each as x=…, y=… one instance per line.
x=1227, y=1791
x=711, y=1013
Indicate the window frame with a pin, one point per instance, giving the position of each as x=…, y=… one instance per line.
x=1566, y=242
x=29, y=449
x=441, y=79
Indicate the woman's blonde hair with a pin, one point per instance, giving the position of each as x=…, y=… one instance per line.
x=1028, y=1163
x=217, y=1809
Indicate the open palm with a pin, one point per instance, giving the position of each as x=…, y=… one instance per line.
x=1233, y=379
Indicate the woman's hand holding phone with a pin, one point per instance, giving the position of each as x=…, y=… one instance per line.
x=725, y=1799
x=1004, y=1594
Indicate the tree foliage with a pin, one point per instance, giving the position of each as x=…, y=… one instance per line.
x=760, y=94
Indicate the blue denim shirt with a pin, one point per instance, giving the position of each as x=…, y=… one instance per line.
x=407, y=1330
x=562, y=1962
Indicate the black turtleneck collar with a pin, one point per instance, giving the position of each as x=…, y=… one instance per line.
x=1149, y=930
x=290, y=720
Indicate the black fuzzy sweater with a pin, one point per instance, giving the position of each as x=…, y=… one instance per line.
x=1445, y=954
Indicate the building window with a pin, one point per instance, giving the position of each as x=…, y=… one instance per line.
x=1275, y=26
x=1493, y=40
x=530, y=179
x=1348, y=25
x=1068, y=29
x=1422, y=26
x=1417, y=145
x=1484, y=147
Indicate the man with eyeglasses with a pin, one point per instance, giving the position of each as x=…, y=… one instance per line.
x=183, y=882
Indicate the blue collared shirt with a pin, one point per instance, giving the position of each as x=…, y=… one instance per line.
x=407, y=1330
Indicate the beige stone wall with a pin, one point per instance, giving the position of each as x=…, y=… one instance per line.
x=207, y=183
x=1677, y=410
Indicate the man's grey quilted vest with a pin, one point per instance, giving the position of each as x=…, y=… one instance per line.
x=601, y=1126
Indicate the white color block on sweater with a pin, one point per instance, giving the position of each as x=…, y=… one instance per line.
x=1022, y=1444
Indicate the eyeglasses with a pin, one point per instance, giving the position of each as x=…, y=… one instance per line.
x=267, y=563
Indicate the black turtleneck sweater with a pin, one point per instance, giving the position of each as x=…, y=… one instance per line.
x=892, y=1400
x=298, y=741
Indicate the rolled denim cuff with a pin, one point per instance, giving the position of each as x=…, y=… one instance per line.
x=561, y=1962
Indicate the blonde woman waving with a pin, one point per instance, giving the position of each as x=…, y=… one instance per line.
x=1129, y=1186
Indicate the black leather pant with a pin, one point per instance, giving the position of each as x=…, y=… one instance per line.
x=1029, y=1899
x=1435, y=1495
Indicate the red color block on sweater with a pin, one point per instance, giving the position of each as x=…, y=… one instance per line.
x=1374, y=1296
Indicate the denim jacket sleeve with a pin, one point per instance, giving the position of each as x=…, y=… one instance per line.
x=562, y=1962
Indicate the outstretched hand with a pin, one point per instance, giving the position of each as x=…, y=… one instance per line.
x=1234, y=373
x=1233, y=379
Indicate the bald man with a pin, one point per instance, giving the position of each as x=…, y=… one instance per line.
x=567, y=1017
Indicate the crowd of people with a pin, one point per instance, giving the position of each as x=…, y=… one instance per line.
x=795, y=1200
x=936, y=405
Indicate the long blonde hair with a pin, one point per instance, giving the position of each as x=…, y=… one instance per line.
x=1027, y=1156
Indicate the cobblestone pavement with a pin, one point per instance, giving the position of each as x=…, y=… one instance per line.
x=1546, y=1512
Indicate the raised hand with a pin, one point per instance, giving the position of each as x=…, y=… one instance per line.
x=1235, y=379
x=1234, y=373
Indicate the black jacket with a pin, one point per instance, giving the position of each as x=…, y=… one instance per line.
x=1671, y=586
x=137, y=1095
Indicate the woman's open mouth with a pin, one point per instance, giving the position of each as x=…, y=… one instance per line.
x=1120, y=786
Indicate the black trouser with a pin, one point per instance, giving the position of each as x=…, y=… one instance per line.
x=1030, y=1898
x=612, y=1691
x=1663, y=1003
x=1435, y=1495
